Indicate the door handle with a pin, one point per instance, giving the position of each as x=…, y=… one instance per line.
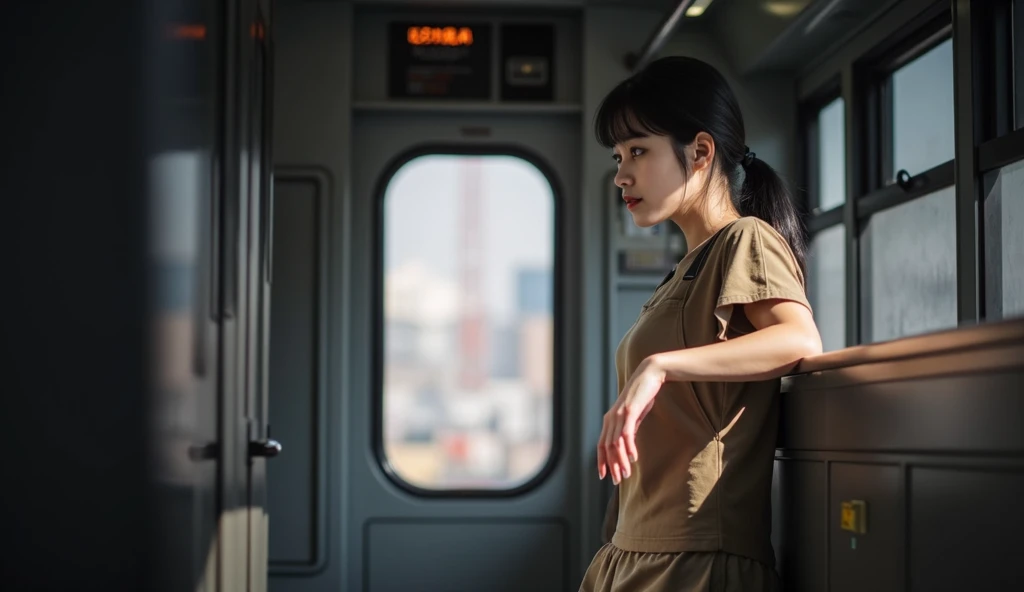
x=266, y=448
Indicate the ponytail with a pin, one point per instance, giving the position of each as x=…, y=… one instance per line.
x=764, y=195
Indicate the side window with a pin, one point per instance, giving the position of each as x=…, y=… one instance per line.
x=922, y=111
x=920, y=261
x=826, y=263
x=1002, y=169
x=1004, y=254
x=908, y=262
x=468, y=323
x=908, y=273
x=826, y=285
x=831, y=156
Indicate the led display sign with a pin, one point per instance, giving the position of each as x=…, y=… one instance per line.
x=447, y=36
x=439, y=60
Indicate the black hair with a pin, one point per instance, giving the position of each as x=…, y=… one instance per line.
x=679, y=97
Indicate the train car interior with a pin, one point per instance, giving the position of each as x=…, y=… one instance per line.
x=325, y=295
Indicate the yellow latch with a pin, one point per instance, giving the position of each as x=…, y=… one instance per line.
x=854, y=516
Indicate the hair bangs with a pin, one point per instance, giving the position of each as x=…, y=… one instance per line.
x=624, y=116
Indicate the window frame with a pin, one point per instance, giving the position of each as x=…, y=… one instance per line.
x=1013, y=13
x=988, y=66
x=377, y=311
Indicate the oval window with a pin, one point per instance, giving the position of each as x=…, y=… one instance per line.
x=468, y=343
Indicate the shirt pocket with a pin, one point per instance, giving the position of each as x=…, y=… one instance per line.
x=659, y=328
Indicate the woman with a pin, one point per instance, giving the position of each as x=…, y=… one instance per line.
x=691, y=439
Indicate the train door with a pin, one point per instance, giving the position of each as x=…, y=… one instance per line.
x=459, y=468
x=260, y=445
x=186, y=216
x=245, y=302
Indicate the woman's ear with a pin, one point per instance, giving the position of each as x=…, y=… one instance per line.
x=703, y=151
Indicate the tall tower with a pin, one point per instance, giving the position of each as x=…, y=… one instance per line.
x=472, y=323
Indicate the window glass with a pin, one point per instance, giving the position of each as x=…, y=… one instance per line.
x=922, y=109
x=826, y=285
x=468, y=322
x=1004, y=242
x=908, y=271
x=831, y=156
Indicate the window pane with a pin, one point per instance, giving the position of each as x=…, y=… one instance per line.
x=1004, y=242
x=831, y=156
x=826, y=285
x=908, y=276
x=468, y=321
x=922, y=110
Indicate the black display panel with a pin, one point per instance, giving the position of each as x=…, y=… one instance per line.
x=439, y=60
x=527, y=62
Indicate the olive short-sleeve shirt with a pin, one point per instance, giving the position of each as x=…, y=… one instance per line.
x=706, y=449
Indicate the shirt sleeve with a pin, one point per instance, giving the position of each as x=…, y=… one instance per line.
x=757, y=264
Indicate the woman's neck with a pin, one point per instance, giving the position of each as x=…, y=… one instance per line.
x=700, y=223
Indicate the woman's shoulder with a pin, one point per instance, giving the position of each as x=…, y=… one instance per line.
x=752, y=226
x=750, y=239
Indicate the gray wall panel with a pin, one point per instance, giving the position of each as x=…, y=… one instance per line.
x=975, y=413
x=312, y=128
x=799, y=530
x=802, y=420
x=965, y=530
x=872, y=561
x=292, y=478
x=404, y=556
x=978, y=413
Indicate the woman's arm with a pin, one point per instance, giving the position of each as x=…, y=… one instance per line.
x=785, y=334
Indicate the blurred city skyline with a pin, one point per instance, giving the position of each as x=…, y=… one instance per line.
x=421, y=223
x=468, y=321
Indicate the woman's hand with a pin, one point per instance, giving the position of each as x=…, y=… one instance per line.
x=617, y=444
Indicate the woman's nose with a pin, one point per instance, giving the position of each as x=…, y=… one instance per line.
x=622, y=179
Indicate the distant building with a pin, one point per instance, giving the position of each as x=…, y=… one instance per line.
x=505, y=352
x=534, y=292
x=534, y=308
x=536, y=353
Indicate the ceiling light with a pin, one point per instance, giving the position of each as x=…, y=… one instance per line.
x=785, y=8
x=698, y=8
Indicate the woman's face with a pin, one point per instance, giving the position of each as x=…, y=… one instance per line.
x=652, y=179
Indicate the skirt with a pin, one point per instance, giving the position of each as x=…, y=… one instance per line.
x=615, y=570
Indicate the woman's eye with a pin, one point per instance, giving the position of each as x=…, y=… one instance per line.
x=636, y=151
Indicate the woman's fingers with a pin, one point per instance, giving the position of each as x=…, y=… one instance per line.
x=603, y=466
x=616, y=447
x=630, y=421
x=620, y=457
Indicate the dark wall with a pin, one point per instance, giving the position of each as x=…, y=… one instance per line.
x=933, y=445
x=74, y=498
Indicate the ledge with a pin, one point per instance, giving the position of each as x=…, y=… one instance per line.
x=989, y=335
